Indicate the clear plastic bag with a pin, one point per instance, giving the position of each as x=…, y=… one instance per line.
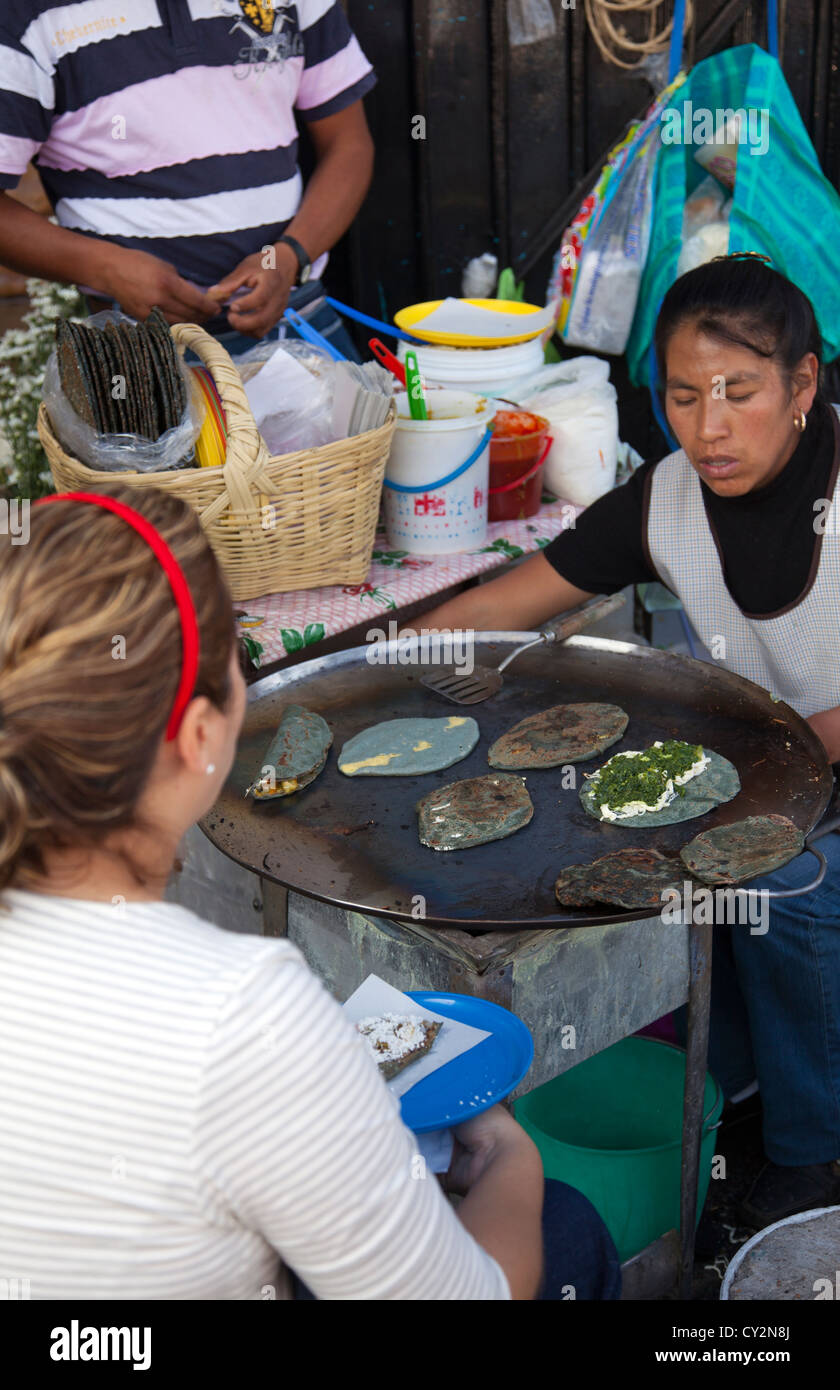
x=290, y=387
x=703, y=206
x=529, y=20
x=314, y=359
x=120, y=453
x=579, y=402
x=606, y=289
x=705, y=226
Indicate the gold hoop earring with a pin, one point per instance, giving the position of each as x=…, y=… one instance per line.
x=800, y=420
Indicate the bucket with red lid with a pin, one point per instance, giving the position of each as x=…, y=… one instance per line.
x=518, y=448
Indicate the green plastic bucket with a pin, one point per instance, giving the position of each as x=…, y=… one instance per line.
x=612, y=1128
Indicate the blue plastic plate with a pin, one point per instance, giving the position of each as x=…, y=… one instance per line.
x=478, y=1078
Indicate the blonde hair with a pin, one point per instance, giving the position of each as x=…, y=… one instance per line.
x=90, y=657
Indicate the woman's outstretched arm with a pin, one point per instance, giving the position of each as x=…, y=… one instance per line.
x=520, y=600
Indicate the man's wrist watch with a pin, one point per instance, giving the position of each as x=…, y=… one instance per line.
x=304, y=263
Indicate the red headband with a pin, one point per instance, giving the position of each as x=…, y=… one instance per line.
x=180, y=590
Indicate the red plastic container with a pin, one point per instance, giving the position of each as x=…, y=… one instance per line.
x=518, y=450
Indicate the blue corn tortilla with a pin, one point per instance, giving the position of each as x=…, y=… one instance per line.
x=298, y=753
x=626, y=878
x=562, y=734
x=399, y=744
x=473, y=812
x=717, y=783
x=743, y=850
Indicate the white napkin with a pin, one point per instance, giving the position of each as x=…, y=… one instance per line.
x=280, y=380
x=436, y=1148
x=457, y=316
x=375, y=997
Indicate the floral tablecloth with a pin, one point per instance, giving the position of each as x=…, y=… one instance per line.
x=280, y=624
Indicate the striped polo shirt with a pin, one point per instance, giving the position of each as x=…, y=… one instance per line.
x=185, y=1113
x=169, y=125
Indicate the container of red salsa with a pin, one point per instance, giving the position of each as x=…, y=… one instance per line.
x=518, y=449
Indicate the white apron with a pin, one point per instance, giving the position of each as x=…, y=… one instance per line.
x=794, y=653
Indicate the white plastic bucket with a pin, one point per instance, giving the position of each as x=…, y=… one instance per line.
x=428, y=512
x=492, y=371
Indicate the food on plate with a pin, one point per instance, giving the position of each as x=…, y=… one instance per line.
x=742, y=850
x=626, y=878
x=474, y=811
x=408, y=747
x=295, y=757
x=669, y=782
x=396, y=1040
x=562, y=734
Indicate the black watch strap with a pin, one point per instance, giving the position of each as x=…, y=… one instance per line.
x=304, y=263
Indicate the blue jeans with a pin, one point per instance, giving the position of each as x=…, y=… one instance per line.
x=579, y=1257
x=578, y=1250
x=776, y=1012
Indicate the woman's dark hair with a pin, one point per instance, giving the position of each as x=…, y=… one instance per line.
x=741, y=300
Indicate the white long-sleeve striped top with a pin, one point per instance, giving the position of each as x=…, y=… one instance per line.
x=185, y=1112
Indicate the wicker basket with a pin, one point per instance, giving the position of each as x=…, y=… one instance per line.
x=296, y=521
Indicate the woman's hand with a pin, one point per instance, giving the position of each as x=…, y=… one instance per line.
x=497, y=1169
x=139, y=281
x=256, y=312
x=476, y=1143
x=826, y=726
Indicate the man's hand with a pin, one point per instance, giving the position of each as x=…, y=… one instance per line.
x=139, y=281
x=256, y=312
x=826, y=726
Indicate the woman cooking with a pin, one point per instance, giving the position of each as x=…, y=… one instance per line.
x=737, y=523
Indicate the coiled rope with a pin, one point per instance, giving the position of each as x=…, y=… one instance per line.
x=612, y=40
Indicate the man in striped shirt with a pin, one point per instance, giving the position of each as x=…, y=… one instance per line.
x=164, y=132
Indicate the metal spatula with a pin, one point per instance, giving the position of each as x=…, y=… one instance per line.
x=483, y=681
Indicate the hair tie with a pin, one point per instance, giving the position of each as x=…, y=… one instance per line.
x=180, y=589
x=744, y=255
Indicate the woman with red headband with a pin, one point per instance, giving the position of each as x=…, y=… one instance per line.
x=186, y=1113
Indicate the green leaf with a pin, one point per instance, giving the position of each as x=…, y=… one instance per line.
x=254, y=650
x=314, y=633
x=391, y=558
x=503, y=546
x=292, y=640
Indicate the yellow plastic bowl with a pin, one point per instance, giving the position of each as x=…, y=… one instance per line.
x=407, y=318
